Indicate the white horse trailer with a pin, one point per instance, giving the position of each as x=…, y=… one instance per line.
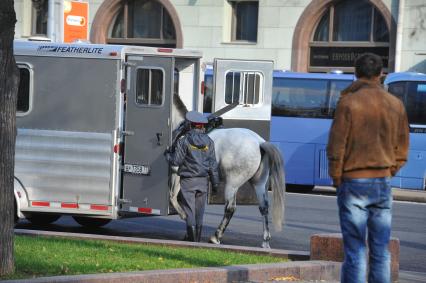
x=94, y=120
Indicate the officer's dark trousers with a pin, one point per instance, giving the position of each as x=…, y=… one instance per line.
x=194, y=195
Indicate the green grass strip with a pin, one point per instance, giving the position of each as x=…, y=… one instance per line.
x=48, y=256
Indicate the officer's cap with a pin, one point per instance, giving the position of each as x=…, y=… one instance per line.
x=196, y=117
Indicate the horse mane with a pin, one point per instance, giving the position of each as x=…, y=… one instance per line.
x=180, y=106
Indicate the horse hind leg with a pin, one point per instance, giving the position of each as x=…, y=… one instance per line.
x=230, y=207
x=259, y=183
x=264, y=211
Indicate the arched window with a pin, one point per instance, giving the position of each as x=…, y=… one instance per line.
x=347, y=29
x=142, y=22
x=39, y=17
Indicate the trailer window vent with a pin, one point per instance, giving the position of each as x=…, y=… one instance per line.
x=149, y=87
x=24, y=90
x=243, y=87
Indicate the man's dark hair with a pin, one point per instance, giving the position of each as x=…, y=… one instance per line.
x=368, y=65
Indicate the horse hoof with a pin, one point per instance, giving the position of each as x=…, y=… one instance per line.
x=266, y=245
x=214, y=240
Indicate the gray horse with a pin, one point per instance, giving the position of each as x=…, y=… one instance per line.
x=243, y=156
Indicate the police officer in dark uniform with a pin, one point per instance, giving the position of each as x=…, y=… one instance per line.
x=195, y=156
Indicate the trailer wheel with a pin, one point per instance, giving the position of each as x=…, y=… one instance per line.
x=42, y=218
x=91, y=222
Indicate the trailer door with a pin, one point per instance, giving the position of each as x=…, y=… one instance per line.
x=147, y=131
x=250, y=84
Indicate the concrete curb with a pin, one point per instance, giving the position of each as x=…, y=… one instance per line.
x=309, y=270
x=412, y=196
x=398, y=194
x=300, y=270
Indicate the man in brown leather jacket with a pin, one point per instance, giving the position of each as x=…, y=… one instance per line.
x=368, y=144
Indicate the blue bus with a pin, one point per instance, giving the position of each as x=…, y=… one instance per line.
x=411, y=89
x=303, y=106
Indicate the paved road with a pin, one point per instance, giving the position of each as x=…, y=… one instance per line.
x=305, y=215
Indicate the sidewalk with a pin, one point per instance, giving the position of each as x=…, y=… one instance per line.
x=309, y=271
x=300, y=268
x=398, y=194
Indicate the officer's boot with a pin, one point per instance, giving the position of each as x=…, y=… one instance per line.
x=191, y=233
x=199, y=229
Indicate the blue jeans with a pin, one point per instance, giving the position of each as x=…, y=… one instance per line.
x=365, y=205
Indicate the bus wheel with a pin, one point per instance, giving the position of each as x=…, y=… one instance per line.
x=42, y=218
x=299, y=188
x=91, y=222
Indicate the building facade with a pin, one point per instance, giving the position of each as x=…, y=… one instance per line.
x=298, y=35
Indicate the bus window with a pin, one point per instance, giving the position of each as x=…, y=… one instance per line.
x=416, y=103
x=300, y=98
x=410, y=88
x=398, y=89
x=336, y=87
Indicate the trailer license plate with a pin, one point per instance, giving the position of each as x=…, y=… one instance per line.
x=137, y=169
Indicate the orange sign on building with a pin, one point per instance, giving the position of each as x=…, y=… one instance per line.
x=76, y=18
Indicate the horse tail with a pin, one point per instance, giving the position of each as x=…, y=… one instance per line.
x=276, y=182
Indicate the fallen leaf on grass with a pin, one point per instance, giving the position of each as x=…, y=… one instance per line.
x=64, y=269
x=285, y=278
